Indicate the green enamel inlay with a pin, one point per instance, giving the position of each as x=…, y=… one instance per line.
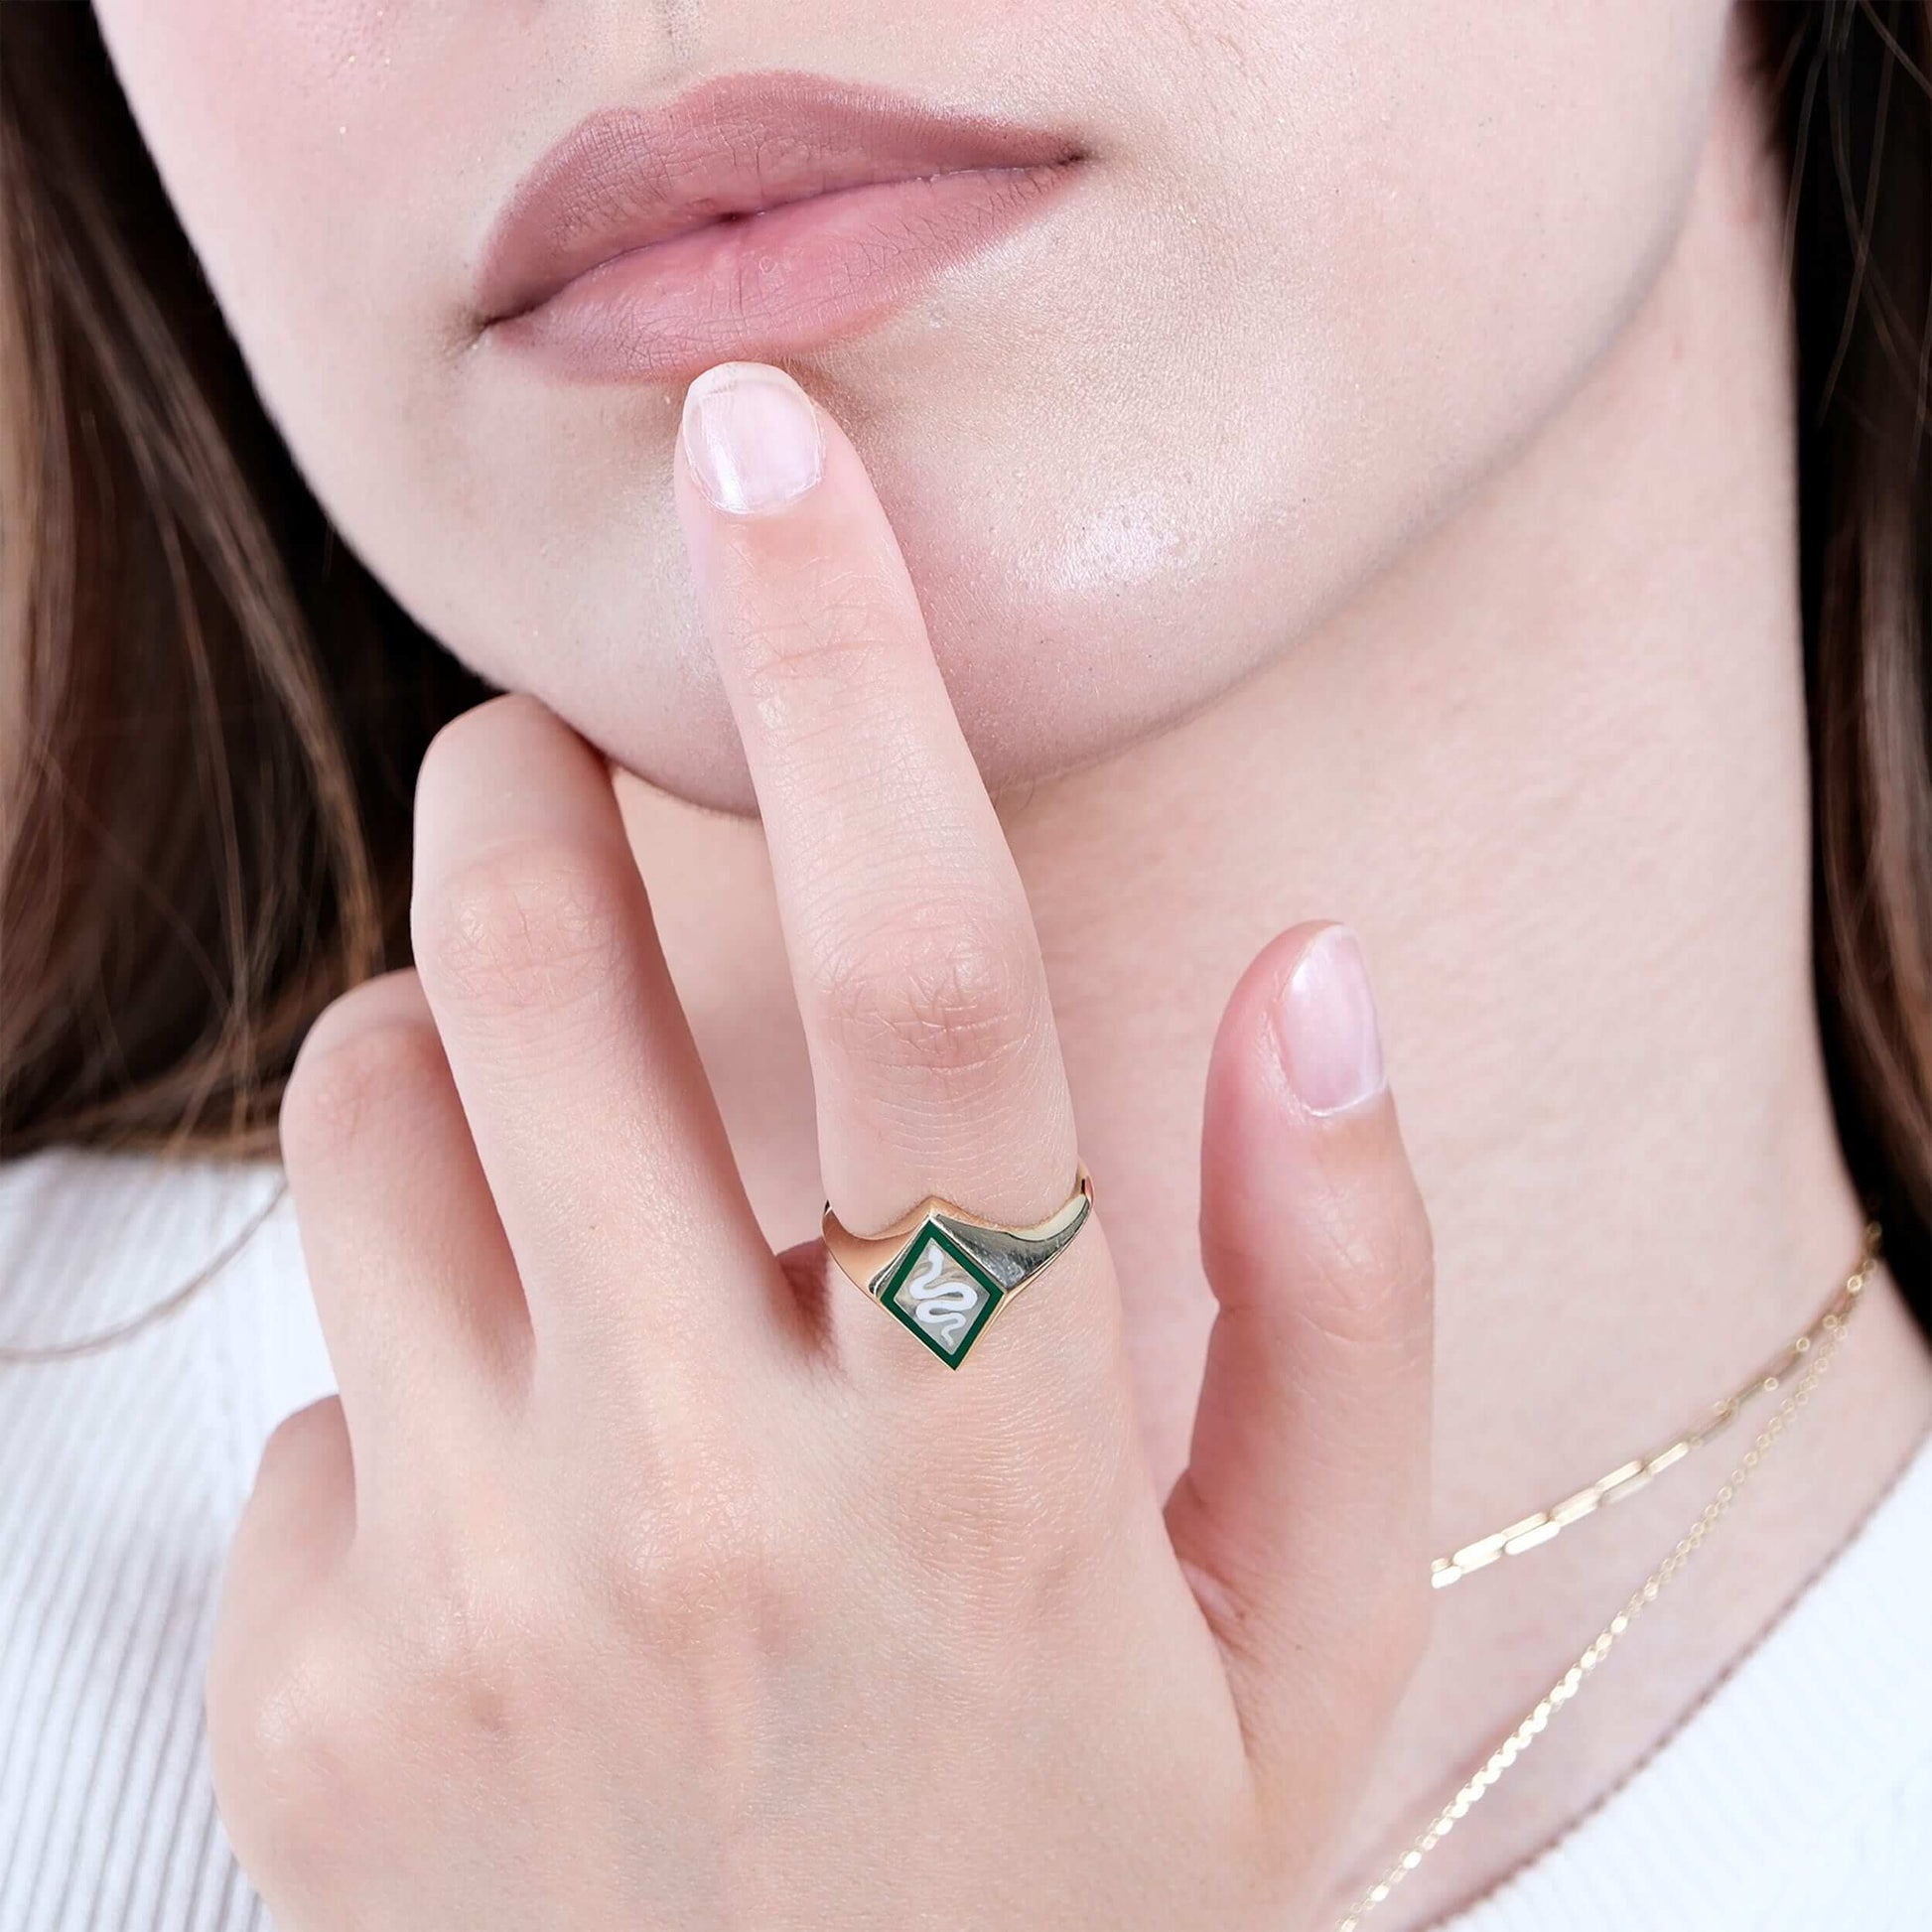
x=940, y=1292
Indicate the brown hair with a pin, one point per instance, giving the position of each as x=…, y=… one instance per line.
x=218, y=712
x=215, y=713
x=1851, y=84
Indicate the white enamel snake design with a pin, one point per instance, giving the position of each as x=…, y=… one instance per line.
x=942, y=1308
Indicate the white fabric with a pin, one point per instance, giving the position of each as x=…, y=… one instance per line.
x=1797, y=1799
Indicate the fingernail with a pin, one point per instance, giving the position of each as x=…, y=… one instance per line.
x=752, y=438
x=1326, y=1027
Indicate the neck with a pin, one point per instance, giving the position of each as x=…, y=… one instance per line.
x=1551, y=766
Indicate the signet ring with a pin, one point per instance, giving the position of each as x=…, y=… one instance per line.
x=946, y=1272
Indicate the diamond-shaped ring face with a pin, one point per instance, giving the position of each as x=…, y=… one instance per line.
x=941, y=1294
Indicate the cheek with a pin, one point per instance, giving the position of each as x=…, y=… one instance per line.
x=282, y=134
x=1341, y=272
x=1432, y=220
x=266, y=122
x=335, y=165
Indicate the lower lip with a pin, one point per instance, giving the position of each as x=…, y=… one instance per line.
x=777, y=282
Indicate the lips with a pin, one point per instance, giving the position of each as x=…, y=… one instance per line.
x=753, y=215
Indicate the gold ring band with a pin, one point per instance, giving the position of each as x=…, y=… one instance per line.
x=944, y=1272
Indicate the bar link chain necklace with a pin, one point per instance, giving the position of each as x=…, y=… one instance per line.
x=1807, y=1358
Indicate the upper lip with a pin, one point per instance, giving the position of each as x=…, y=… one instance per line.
x=627, y=177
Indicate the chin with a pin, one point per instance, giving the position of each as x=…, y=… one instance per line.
x=1071, y=616
x=1044, y=678
x=1032, y=699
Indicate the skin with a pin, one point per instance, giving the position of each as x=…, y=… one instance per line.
x=1325, y=207
x=683, y=1572
x=1409, y=542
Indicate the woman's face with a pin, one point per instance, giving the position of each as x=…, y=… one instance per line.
x=1318, y=267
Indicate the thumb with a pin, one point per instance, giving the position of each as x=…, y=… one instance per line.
x=1301, y=1519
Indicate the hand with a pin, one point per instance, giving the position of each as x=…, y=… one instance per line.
x=640, y=1577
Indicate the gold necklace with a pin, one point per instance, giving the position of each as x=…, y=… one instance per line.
x=1532, y=1532
x=1815, y=1348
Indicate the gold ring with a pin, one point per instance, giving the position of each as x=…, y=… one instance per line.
x=946, y=1272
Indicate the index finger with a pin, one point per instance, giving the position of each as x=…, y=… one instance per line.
x=919, y=973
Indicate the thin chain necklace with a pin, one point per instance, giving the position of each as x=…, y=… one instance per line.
x=1532, y=1532
x=1815, y=1349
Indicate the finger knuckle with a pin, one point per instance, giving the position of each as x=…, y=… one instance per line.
x=935, y=989
x=290, y=1745
x=478, y=1643
x=534, y=922
x=362, y=1062
x=693, y=1544
x=1372, y=1267
x=1017, y=1530
x=687, y=1566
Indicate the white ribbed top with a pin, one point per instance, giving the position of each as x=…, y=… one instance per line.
x=1798, y=1798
